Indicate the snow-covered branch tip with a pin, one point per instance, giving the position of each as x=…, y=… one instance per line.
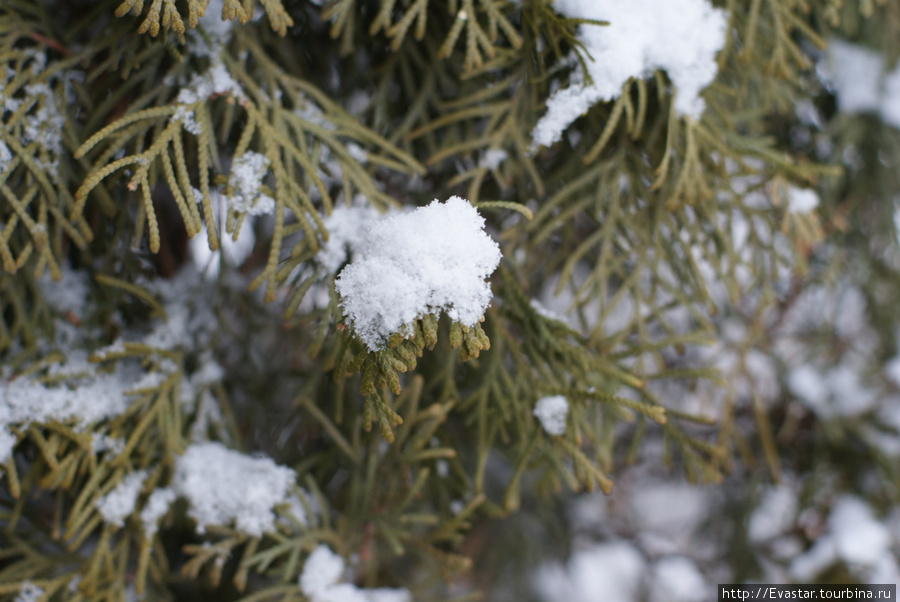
x=408, y=269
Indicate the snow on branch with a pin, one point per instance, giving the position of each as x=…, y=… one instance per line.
x=224, y=486
x=433, y=259
x=681, y=37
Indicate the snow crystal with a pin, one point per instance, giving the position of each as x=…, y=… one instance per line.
x=774, y=515
x=802, y=200
x=247, y=173
x=858, y=537
x=29, y=592
x=432, y=259
x=677, y=579
x=552, y=412
x=222, y=486
x=157, y=505
x=680, y=36
x=343, y=227
x=116, y=505
x=319, y=582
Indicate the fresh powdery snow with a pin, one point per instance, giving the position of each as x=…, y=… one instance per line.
x=343, y=227
x=681, y=37
x=552, y=412
x=222, y=485
x=433, y=259
x=319, y=581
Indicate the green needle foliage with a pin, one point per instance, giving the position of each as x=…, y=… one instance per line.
x=127, y=128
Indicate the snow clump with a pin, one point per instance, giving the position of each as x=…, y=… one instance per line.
x=552, y=412
x=224, y=486
x=681, y=37
x=433, y=259
x=247, y=173
x=116, y=505
x=319, y=582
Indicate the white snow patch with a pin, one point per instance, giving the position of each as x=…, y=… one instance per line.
x=552, y=412
x=858, y=537
x=677, y=579
x=224, y=486
x=609, y=572
x=116, y=505
x=774, y=515
x=681, y=37
x=247, y=173
x=29, y=592
x=319, y=581
x=157, y=505
x=859, y=78
x=802, y=200
x=433, y=259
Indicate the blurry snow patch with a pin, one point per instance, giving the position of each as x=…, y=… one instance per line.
x=854, y=536
x=101, y=442
x=805, y=567
x=677, y=579
x=859, y=79
x=433, y=259
x=609, y=572
x=69, y=295
x=116, y=505
x=29, y=592
x=344, y=226
x=247, y=173
x=545, y=312
x=837, y=393
x=858, y=537
x=320, y=578
x=801, y=200
x=552, y=412
x=855, y=74
x=157, y=505
x=892, y=370
x=774, y=515
x=680, y=36
x=492, y=158
x=667, y=516
x=224, y=486
x=7, y=443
